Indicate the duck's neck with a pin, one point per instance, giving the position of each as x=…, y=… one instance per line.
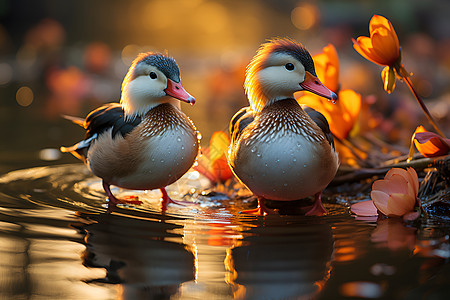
x=260, y=96
x=263, y=101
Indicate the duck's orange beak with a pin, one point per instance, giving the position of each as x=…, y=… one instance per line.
x=177, y=91
x=312, y=84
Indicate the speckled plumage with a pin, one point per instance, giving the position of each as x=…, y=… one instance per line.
x=277, y=150
x=146, y=141
x=165, y=134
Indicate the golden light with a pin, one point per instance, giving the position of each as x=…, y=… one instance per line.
x=24, y=96
x=305, y=16
x=152, y=16
x=211, y=17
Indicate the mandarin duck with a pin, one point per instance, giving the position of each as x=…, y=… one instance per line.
x=279, y=150
x=144, y=142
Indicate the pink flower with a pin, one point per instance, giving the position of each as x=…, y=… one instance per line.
x=396, y=195
x=364, y=209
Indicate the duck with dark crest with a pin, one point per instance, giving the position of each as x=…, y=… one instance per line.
x=279, y=150
x=145, y=141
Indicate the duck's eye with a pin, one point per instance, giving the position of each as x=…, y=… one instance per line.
x=289, y=66
x=153, y=75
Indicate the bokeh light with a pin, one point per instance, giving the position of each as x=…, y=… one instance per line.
x=129, y=52
x=305, y=16
x=97, y=57
x=24, y=96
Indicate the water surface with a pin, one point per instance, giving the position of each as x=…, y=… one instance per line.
x=57, y=242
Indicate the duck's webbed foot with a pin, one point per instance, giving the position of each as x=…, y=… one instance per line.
x=166, y=200
x=317, y=209
x=113, y=201
x=261, y=210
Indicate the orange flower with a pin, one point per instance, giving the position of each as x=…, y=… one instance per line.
x=430, y=144
x=213, y=162
x=382, y=46
x=396, y=195
x=327, y=67
x=343, y=114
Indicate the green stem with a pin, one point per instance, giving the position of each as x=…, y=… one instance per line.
x=405, y=76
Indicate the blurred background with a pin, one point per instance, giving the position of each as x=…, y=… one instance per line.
x=69, y=57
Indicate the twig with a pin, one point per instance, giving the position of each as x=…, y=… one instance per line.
x=364, y=173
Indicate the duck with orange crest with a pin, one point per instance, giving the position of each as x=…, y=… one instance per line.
x=279, y=150
x=144, y=142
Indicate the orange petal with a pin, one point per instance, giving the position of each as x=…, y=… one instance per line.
x=399, y=184
x=378, y=21
x=341, y=116
x=221, y=170
x=326, y=71
x=410, y=184
x=364, y=208
x=409, y=175
x=414, y=179
x=331, y=52
x=393, y=171
x=396, y=184
x=332, y=69
x=218, y=145
x=351, y=101
x=400, y=204
x=384, y=47
x=430, y=144
x=203, y=165
x=380, y=200
x=360, y=45
x=364, y=47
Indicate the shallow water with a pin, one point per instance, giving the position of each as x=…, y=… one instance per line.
x=57, y=242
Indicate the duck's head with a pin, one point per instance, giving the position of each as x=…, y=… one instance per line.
x=280, y=68
x=152, y=79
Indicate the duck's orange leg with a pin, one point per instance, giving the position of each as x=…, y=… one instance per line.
x=113, y=201
x=166, y=200
x=317, y=209
x=261, y=210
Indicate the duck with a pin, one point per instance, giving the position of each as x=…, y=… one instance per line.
x=145, y=141
x=279, y=150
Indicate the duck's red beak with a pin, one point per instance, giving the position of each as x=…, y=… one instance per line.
x=312, y=84
x=176, y=90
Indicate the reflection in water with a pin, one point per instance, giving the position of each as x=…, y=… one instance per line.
x=393, y=234
x=281, y=260
x=203, y=251
x=39, y=256
x=141, y=255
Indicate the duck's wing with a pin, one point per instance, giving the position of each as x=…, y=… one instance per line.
x=108, y=116
x=321, y=121
x=239, y=122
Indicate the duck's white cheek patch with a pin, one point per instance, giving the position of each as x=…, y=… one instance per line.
x=143, y=87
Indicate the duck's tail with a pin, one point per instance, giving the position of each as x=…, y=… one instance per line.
x=76, y=120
